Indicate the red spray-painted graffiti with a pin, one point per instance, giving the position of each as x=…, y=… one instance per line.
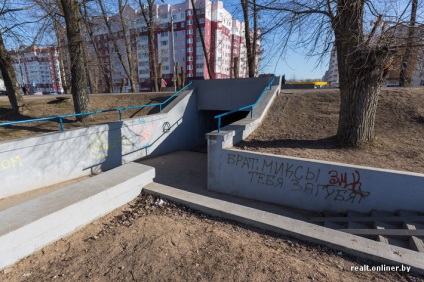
x=342, y=180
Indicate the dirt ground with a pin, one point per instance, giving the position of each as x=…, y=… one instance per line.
x=303, y=123
x=148, y=240
x=44, y=106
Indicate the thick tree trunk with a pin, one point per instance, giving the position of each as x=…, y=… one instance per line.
x=12, y=88
x=362, y=69
x=75, y=47
x=356, y=120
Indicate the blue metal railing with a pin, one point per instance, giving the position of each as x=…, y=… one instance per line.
x=245, y=107
x=61, y=117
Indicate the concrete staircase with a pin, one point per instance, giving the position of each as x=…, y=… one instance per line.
x=33, y=224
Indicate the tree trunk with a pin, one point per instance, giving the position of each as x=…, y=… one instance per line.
x=75, y=47
x=361, y=73
x=250, y=44
x=177, y=78
x=131, y=68
x=406, y=58
x=182, y=77
x=202, y=39
x=235, y=67
x=149, y=19
x=12, y=88
x=100, y=62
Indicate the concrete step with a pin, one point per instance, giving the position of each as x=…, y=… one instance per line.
x=29, y=226
x=338, y=240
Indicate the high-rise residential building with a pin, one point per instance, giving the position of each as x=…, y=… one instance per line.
x=332, y=74
x=396, y=36
x=177, y=41
x=37, y=68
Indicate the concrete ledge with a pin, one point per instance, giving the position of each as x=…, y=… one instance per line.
x=28, y=227
x=349, y=244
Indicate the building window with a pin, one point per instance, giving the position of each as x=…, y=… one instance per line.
x=190, y=31
x=202, y=20
x=182, y=25
x=189, y=22
x=190, y=58
x=190, y=67
x=182, y=15
x=164, y=34
x=189, y=12
x=164, y=42
x=199, y=66
x=190, y=40
x=190, y=75
x=190, y=49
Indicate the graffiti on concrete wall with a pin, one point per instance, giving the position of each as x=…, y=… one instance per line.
x=290, y=177
x=10, y=163
x=113, y=143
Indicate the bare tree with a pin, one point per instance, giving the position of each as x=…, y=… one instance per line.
x=71, y=13
x=6, y=67
x=250, y=40
x=409, y=45
x=52, y=10
x=12, y=88
x=364, y=56
x=149, y=19
x=202, y=40
x=121, y=34
x=88, y=21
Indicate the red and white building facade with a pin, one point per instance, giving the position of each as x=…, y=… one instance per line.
x=37, y=68
x=176, y=40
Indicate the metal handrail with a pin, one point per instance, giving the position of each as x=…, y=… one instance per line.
x=61, y=117
x=245, y=107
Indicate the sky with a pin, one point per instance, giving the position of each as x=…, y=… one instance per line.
x=294, y=65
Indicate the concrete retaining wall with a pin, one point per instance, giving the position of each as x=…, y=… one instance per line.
x=229, y=94
x=32, y=163
x=307, y=184
x=313, y=185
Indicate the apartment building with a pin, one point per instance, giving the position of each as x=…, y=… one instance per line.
x=37, y=68
x=396, y=36
x=177, y=42
x=332, y=74
x=111, y=48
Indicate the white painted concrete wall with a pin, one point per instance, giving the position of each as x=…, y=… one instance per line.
x=32, y=163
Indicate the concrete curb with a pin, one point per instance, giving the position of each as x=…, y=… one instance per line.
x=28, y=227
x=350, y=244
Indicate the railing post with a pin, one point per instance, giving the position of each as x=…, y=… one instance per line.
x=61, y=124
x=160, y=107
x=251, y=112
x=120, y=114
x=219, y=124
